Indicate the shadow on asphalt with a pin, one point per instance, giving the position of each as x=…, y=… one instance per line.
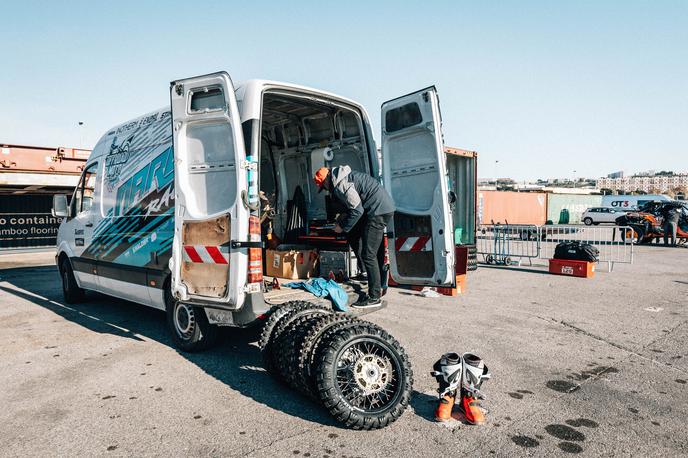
x=235, y=361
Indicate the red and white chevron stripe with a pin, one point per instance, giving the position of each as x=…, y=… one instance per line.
x=206, y=254
x=422, y=243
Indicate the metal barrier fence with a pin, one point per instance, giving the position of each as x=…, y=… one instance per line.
x=510, y=244
x=507, y=243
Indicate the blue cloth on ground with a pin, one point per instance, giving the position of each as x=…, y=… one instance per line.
x=320, y=287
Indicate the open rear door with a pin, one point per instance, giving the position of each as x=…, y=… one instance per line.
x=209, y=177
x=414, y=171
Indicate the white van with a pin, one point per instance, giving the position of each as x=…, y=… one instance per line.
x=168, y=210
x=631, y=202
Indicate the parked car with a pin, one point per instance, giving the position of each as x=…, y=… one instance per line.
x=597, y=215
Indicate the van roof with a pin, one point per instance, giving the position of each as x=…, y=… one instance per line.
x=248, y=93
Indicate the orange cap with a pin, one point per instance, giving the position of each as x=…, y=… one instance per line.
x=320, y=176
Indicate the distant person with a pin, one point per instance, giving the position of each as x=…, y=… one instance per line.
x=368, y=210
x=671, y=217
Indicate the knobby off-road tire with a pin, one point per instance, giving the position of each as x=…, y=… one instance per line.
x=304, y=343
x=364, y=377
x=70, y=289
x=189, y=326
x=284, y=334
x=472, y=262
x=268, y=333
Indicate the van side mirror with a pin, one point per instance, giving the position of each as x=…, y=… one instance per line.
x=60, y=207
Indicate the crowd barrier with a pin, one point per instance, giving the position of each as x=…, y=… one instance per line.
x=511, y=244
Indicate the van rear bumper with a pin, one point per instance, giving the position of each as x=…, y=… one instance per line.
x=251, y=313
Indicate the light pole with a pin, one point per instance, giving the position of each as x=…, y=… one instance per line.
x=496, y=175
x=81, y=134
x=574, y=179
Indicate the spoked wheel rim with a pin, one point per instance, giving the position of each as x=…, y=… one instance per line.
x=368, y=375
x=184, y=320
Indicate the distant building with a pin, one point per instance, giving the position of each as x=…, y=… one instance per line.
x=618, y=174
x=654, y=183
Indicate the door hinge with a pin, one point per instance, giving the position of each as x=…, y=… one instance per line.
x=249, y=165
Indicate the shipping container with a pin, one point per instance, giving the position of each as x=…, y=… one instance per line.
x=26, y=221
x=512, y=207
x=462, y=168
x=568, y=208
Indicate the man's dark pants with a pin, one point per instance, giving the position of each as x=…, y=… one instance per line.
x=670, y=233
x=366, y=239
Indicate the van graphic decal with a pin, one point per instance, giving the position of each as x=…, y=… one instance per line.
x=140, y=237
x=138, y=228
x=157, y=174
x=116, y=158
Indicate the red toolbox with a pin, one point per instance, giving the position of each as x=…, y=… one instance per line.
x=582, y=269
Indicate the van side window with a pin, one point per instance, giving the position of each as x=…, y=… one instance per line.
x=210, y=99
x=83, y=194
x=405, y=116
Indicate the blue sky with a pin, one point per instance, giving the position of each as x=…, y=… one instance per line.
x=544, y=88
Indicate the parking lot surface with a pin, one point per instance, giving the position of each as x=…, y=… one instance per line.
x=593, y=366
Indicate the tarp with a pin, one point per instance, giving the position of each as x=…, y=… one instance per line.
x=320, y=287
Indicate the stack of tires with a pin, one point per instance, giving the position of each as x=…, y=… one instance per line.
x=472, y=262
x=357, y=370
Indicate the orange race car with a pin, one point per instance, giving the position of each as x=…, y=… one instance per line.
x=647, y=223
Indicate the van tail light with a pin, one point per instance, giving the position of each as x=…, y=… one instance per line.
x=385, y=240
x=255, y=255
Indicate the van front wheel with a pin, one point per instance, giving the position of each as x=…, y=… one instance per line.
x=189, y=325
x=70, y=289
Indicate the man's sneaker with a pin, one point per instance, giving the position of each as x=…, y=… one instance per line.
x=471, y=409
x=369, y=302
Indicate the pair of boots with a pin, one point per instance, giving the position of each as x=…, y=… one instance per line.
x=469, y=405
x=460, y=376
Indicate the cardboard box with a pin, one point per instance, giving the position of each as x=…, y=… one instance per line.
x=583, y=269
x=293, y=262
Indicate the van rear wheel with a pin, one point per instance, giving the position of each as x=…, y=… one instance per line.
x=70, y=289
x=189, y=326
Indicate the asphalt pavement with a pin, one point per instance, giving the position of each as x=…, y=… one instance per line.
x=589, y=366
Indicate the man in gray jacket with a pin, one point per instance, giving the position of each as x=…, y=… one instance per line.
x=369, y=208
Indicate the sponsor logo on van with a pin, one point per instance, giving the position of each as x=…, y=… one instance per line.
x=154, y=176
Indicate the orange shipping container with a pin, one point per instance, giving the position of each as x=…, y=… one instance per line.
x=512, y=207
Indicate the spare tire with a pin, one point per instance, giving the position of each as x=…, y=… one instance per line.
x=308, y=345
x=363, y=377
x=284, y=337
x=272, y=329
x=472, y=262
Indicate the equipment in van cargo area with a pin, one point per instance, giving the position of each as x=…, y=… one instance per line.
x=342, y=265
x=292, y=261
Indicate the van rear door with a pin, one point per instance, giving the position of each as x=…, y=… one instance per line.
x=414, y=171
x=209, y=179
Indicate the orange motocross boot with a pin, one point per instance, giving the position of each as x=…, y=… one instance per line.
x=444, y=409
x=471, y=409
